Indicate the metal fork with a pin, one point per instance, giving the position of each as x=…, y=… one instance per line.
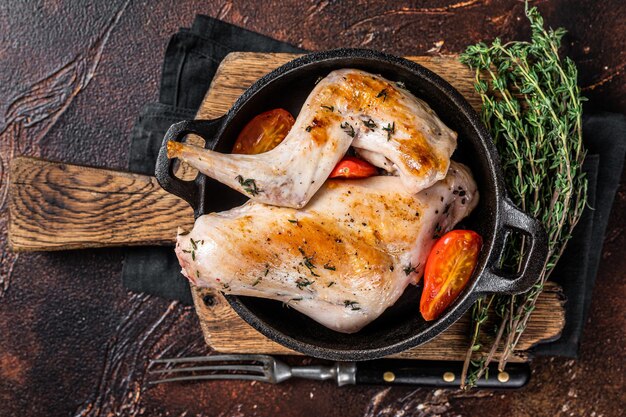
x=262, y=368
x=266, y=368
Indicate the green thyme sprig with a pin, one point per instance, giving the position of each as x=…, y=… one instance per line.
x=532, y=105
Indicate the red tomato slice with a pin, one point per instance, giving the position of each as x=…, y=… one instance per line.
x=264, y=132
x=448, y=269
x=351, y=167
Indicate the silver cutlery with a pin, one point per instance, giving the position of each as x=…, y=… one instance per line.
x=265, y=368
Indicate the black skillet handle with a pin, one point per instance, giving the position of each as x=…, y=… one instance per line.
x=493, y=281
x=436, y=374
x=187, y=190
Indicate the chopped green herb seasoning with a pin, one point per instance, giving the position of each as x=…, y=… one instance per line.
x=331, y=108
x=330, y=284
x=303, y=283
x=352, y=304
x=369, y=123
x=347, y=127
x=407, y=270
x=383, y=94
x=307, y=262
x=329, y=267
x=390, y=129
x=249, y=185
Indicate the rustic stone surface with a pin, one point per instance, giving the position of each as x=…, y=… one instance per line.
x=73, y=75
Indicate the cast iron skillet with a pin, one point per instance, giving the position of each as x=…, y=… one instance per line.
x=401, y=326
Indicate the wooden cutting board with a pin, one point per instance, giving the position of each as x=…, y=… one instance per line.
x=56, y=206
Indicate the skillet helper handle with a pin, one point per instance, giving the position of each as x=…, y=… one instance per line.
x=536, y=253
x=392, y=372
x=164, y=170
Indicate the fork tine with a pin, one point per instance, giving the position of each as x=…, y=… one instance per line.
x=250, y=368
x=215, y=358
x=209, y=377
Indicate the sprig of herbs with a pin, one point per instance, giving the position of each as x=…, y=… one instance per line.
x=383, y=94
x=532, y=105
x=249, y=185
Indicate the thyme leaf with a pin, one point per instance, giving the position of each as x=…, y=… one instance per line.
x=390, y=129
x=308, y=262
x=369, y=123
x=303, y=283
x=352, y=304
x=408, y=269
x=249, y=185
x=347, y=127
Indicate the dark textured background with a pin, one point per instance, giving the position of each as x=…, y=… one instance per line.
x=73, y=76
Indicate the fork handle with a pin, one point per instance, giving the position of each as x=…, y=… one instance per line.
x=436, y=374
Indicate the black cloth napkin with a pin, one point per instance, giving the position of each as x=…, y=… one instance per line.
x=191, y=60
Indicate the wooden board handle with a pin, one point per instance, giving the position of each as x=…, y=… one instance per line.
x=55, y=206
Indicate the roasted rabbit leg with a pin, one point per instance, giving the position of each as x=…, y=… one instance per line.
x=342, y=260
x=384, y=122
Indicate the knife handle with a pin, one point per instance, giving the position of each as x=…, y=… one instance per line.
x=436, y=374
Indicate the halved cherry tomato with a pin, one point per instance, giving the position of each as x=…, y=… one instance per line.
x=351, y=167
x=448, y=269
x=264, y=132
